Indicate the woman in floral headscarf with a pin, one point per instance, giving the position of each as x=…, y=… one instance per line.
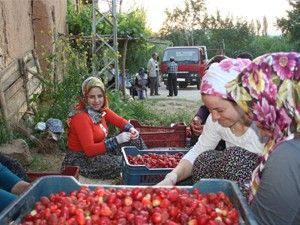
x=89, y=146
x=268, y=90
x=226, y=121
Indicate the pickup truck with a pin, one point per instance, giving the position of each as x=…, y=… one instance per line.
x=191, y=62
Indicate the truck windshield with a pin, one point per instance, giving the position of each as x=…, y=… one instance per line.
x=182, y=55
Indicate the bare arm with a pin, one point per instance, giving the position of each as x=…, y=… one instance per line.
x=182, y=171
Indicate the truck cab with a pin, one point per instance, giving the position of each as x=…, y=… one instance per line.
x=191, y=62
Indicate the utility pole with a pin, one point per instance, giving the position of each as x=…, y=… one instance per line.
x=100, y=41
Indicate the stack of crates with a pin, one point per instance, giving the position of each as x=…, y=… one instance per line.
x=162, y=136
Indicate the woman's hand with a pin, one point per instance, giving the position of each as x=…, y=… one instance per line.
x=134, y=133
x=20, y=187
x=170, y=180
x=196, y=126
x=123, y=137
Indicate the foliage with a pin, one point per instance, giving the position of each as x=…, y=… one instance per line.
x=264, y=44
x=79, y=22
x=234, y=34
x=185, y=20
x=60, y=97
x=290, y=26
x=5, y=136
x=133, y=24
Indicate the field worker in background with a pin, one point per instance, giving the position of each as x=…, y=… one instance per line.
x=172, y=77
x=153, y=73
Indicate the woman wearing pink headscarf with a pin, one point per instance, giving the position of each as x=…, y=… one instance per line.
x=268, y=90
x=226, y=121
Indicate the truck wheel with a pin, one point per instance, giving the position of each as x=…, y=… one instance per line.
x=198, y=86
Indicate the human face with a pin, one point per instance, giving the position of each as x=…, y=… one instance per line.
x=95, y=98
x=225, y=112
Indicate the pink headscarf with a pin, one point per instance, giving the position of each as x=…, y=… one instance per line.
x=219, y=74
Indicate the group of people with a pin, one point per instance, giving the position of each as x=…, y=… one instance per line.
x=251, y=106
x=153, y=70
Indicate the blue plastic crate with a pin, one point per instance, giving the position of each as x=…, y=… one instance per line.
x=51, y=184
x=142, y=175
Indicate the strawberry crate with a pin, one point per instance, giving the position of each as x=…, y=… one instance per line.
x=142, y=175
x=162, y=136
x=68, y=171
x=48, y=185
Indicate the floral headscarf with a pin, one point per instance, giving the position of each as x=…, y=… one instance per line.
x=269, y=91
x=219, y=74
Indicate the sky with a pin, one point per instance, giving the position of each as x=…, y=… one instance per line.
x=248, y=9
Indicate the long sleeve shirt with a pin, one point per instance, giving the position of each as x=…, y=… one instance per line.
x=7, y=178
x=88, y=137
x=152, y=68
x=213, y=132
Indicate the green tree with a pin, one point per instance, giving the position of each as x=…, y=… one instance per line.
x=264, y=44
x=290, y=26
x=185, y=21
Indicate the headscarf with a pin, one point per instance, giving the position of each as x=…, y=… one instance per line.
x=86, y=86
x=269, y=91
x=219, y=74
x=91, y=82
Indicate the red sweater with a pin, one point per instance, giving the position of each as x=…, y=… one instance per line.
x=85, y=136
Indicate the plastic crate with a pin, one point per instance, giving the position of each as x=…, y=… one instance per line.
x=160, y=136
x=140, y=174
x=52, y=184
x=68, y=171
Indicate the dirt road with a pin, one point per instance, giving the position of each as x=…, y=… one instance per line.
x=190, y=93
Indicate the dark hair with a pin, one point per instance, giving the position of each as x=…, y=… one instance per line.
x=245, y=55
x=172, y=59
x=215, y=59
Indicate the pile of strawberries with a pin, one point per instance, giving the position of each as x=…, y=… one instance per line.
x=154, y=160
x=137, y=206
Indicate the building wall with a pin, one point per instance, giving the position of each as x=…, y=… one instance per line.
x=48, y=18
x=16, y=34
x=27, y=25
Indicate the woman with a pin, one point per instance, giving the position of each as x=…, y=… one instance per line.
x=268, y=90
x=10, y=186
x=199, y=119
x=226, y=121
x=89, y=146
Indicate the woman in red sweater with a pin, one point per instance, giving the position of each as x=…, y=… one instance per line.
x=89, y=146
